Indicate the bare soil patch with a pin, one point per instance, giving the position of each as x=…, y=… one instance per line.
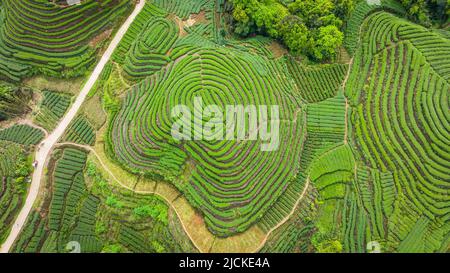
x=343, y=56
x=72, y=86
x=179, y=22
x=199, y=17
x=195, y=18
x=94, y=112
x=277, y=49
x=100, y=38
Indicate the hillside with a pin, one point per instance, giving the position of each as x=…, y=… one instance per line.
x=170, y=131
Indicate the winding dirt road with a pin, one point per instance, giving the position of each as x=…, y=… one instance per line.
x=48, y=143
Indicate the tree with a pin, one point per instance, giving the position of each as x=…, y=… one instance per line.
x=112, y=201
x=243, y=24
x=268, y=17
x=315, y=13
x=426, y=12
x=158, y=212
x=343, y=8
x=439, y=10
x=295, y=34
x=261, y=15
x=326, y=43
x=309, y=27
x=14, y=101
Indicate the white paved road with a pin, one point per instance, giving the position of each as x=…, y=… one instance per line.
x=52, y=139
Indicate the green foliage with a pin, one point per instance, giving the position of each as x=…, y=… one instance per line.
x=115, y=248
x=91, y=169
x=158, y=212
x=315, y=13
x=15, y=169
x=306, y=27
x=426, y=12
x=268, y=16
x=100, y=185
x=23, y=168
x=13, y=101
x=343, y=8
x=295, y=34
x=110, y=101
x=159, y=248
x=100, y=228
x=263, y=16
x=328, y=246
x=112, y=201
x=328, y=39
x=417, y=10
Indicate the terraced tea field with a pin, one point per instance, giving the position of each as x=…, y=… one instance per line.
x=16, y=145
x=53, y=107
x=100, y=217
x=22, y=134
x=287, y=155
x=44, y=37
x=223, y=183
x=400, y=116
